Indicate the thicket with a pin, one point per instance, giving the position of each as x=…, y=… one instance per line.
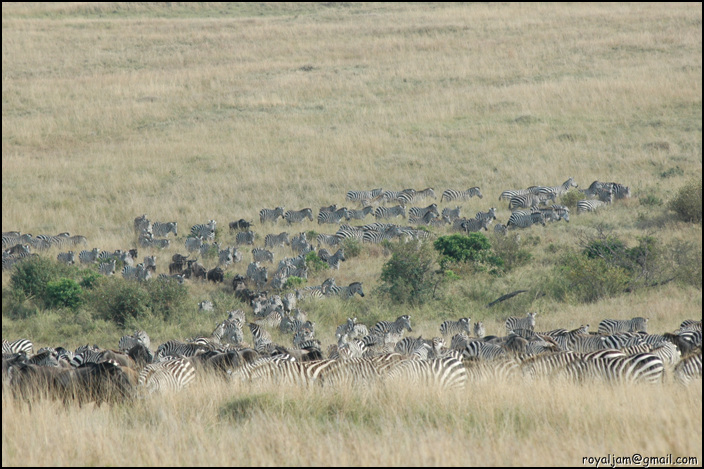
x=687, y=204
x=411, y=276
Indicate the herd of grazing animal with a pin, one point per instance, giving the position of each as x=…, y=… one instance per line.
x=362, y=355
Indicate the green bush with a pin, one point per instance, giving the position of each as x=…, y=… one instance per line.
x=119, y=301
x=410, y=276
x=508, y=248
x=650, y=200
x=352, y=247
x=687, y=204
x=587, y=279
x=63, y=293
x=166, y=297
x=314, y=263
x=30, y=277
x=294, y=282
x=90, y=279
x=571, y=198
x=474, y=249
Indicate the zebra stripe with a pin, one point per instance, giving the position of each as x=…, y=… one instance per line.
x=297, y=216
x=260, y=337
x=89, y=257
x=270, y=215
x=524, y=219
x=163, y=229
x=360, y=196
x=67, y=257
x=346, y=292
x=206, y=231
x=358, y=214
x=489, y=215
x=107, y=268
x=689, y=368
x=479, y=331
x=281, y=239
x=245, y=237
x=455, y=327
x=472, y=225
x=169, y=375
x=527, y=322
x=17, y=346
x=642, y=367
x=529, y=200
x=420, y=212
x=376, y=237
x=443, y=373
x=588, y=205
x=483, y=350
x=508, y=194
x=394, y=329
x=332, y=217
x=333, y=260
x=262, y=255
x=451, y=194
x=175, y=348
x=612, y=326
x=551, y=192
x=390, y=212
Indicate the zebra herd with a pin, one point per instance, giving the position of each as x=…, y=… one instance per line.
x=621, y=352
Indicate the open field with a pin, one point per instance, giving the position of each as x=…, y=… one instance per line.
x=215, y=111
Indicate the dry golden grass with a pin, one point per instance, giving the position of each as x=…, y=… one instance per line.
x=214, y=111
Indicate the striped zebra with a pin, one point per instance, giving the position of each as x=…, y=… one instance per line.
x=142, y=225
x=390, y=212
x=176, y=348
x=589, y=205
x=17, y=346
x=620, y=191
x=245, y=237
x=508, y=194
x=346, y=292
x=344, y=232
x=328, y=240
x=138, y=272
x=443, y=373
x=529, y=200
x=259, y=275
x=333, y=260
x=479, y=330
x=358, y=214
x=642, y=367
x=262, y=255
x=593, y=189
x=67, y=257
x=297, y=216
x=261, y=339
x=281, y=239
x=163, y=229
x=332, y=217
x=527, y=322
x=689, y=368
x=206, y=230
x=451, y=213
x=473, y=225
x=270, y=215
x=552, y=192
x=612, y=326
x=377, y=237
x=426, y=193
x=426, y=219
x=128, y=341
x=61, y=240
x=524, y=219
x=489, y=215
x=400, y=197
x=226, y=257
x=299, y=242
x=194, y=243
x=89, y=257
x=166, y=376
x=420, y=212
x=455, y=327
x=361, y=196
x=107, y=268
x=480, y=350
x=394, y=329
x=451, y=194
x=549, y=365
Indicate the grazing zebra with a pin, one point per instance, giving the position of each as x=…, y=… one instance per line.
x=163, y=229
x=226, y=256
x=358, y=214
x=160, y=243
x=589, y=205
x=473, y=225
x=332, y=217
x=259, y=275
x=89, y=257
x=270, y=215
x=394, y=329
x=67, y=257
x=424, y=220
x=524, y=219
x=107, y=268
x=299, y=242
x=206, y=231
x=169, y=375
x=551, y=192
x=418, y=196
x=389, y=212
x=194, y=244
x=260, y=337
x=443, y=373
x=689, y=368
x=297, y=216
x=612, y=326
x=262, y=255
x=489, y=215
x=451, y=194
x=281, y=239
x=527, y=322
x=376, y=237
x=451, y=213
x=642, y=367
x=455, y=327
x=593, y=189
x=346, y=292
x=60, y=240
x=419, y=212
x=620, y=191
x=344, y=232
x=529, y=200
x=361, y=196
x=245, y=237
x=17, y=346
x=333, y=260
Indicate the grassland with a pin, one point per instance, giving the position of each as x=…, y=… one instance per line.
x=214, y=111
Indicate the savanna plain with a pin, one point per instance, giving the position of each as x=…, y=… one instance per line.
x=190, y=113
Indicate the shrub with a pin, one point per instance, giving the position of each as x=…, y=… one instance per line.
x=90, y=279
x=166, y=297
x=63, y=293
x=410, y=275
x=352, y=247
x=650, y=200
x=294, y=282
x=30, y=277
x=687, y=204
x=474, y=249
x=587, y=279
x=315, y=264
x=120, y=301
x=508, y=248
x=571, y=198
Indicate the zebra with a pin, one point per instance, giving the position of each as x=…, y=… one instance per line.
x=262, y=255
x=346, y=292
x=17, y=346
x=593, y=189
x=451, y=213
x=194, y=243
x=297, y=216
x=361, y=196
x=489, y=215
x=418, y=196
x=394, y=329
x=333, y=260
x=641, y=367
x=612, y=326
x=548, y=365
x=142, y=225
x=226, y=257
x=551, y=192
x=588, y=205
x=67, y=257
x=107, y=268
x=424, y=220
x=455, y=327
x=376, y=237
x=332, y=217
x=169, y=375
x=260, y=337
x=344, y=232
x=358, y=214
x=175, y=348
x=451, y=194
x=328, y=240
x=479, y=331
x=483, y=350
x=389, y=212
x=270, y=215
x=529, y=200
x=299, y=242
x=163, y=229
x=139, y=272
x=160, y=243
x=689, y=368
x=128, y=341
x=245, y=237
x=473, y=225
x=257, y=274
x=524, y=219
x=206, y=230
x=444, y=373
x=60, y=240
x=527, y=322
x=419, y=212
x=620, y=191
x=89, y=257
x=508, y=194
x=281, y=239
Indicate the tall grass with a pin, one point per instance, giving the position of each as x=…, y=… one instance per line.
x=214, y=111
